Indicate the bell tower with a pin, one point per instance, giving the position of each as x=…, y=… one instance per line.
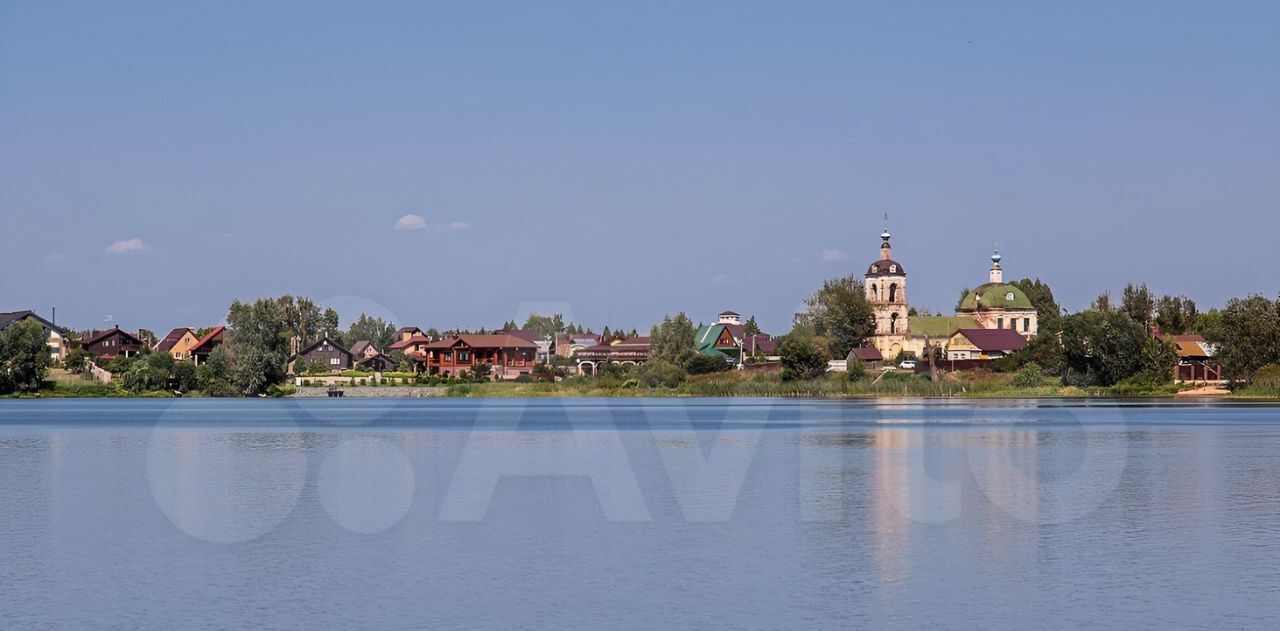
x=886, y=289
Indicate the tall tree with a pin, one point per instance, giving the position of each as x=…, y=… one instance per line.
x=305, y=321
x=839, y=313
x=1175, y=314
x=1102, y=348
x=545, y=326
x=803, y=356
x=751, y=328
x=674, y=339
x=1041, y=297
x=24, y=356
x=258, y=344
x=1102, y=302
x=1248, y=336
x=1138, y=303
x=379, y=332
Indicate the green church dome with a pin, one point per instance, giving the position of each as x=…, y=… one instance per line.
x=995, y=295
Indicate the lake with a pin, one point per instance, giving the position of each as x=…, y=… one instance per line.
x=626, y=513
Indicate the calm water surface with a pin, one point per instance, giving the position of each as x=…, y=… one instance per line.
x=638, y=514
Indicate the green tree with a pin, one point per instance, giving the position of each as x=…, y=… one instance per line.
x=77, y=359
x=1138, y=303
x=1102, y=348
x=750, y=327
x=377, y=331
x=803, y=357
x=545, y=326
x=840, y=314
x=213, y=375
x=1175, y=315
x=673, y=340
x=305, y=320
x=1248, y=336
x=658, y=373
x=481, y=372
x=257, y=344
x=1102, y=302
x=699, y=364
x=147, y=337
x=1041, y=297
x=24, y=356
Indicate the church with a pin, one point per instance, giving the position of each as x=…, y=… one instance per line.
x=992, y=305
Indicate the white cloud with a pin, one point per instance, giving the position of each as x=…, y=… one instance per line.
x=459, y=225
x=127, y=247
x=411, y=222
x=832, y=255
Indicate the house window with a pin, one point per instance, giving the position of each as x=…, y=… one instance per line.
x=464, y=356
x=334, y=361
x=1026, y=325
x=999, y=323
x=893, y=292
x=893, y=269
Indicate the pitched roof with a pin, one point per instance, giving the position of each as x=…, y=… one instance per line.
x=214, y=335
x=1191, y=345
x=14, y=316
x=98, y=336
x=528, y=336
x=493, y=340
x=358, y=347
x=413, y=330
x=417, y=339
x=729, y=313
x=865, y=354
x=762, y=343
x=994, y=339
x=173, y=338
x=320, y=341
x=938, y=326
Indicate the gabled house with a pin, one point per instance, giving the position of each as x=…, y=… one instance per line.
x=984, y=343
x=569, y=345
x=364, y=349
x=717, y=340
x=205, y=345
x=869, y=356
x=508, y=356
x=761, y=345
x=333, y=356
x=414, y=346
x=112, y=343
x=178, y=343
x=1196, y=359
x=368, y=357
x=58, y=341
x=408, y=332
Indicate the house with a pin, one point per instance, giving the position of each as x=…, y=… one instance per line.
x=178, y=343
x=324, y=352
x=984, y=343
x=414, y=346
x=368, y=357
x=211, y=340
x=761, y=345
x=633, y=351
x=111, y=343
x=1196, y=359
x=544, y=344
x=870, y=357
x=508, y=356
x=569, y=345
x=409, y=332
x=58, y=343
x=729, y=317
x=717, y=340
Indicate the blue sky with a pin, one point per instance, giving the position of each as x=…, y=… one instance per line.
x=624, y=160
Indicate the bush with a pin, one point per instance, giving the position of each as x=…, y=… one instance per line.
x=699, y=364
x=1267, y=377
x=280, y=390
x=1029, y=376
x=802, y=358
x=661, y=373
x=524, y=379
x=857, y=371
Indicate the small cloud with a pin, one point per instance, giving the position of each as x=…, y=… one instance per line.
x=130, y=246
x=411, y=222
x=55, y=256
x=459, y=225
x=832, y=255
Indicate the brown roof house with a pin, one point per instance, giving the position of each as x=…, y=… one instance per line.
x=58, y=343
x=112, y=343
x=984, y=343
x=178, y=343
x=211, y=340
x=633, y=351
x=326, y=353
x=508, y=356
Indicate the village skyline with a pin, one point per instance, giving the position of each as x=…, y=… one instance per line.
x=625, y=162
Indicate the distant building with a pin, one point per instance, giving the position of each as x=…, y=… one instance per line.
x=111, y=343
x=729, y=317
x=324, y=352
x=205, y=346
x=1197, y=360
x=992, y=305
x=717, y=340
x=984, y=343
x=58, y=343
x=633, y=351
x=569, y=345
x=508, y=356
x=178, y=343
